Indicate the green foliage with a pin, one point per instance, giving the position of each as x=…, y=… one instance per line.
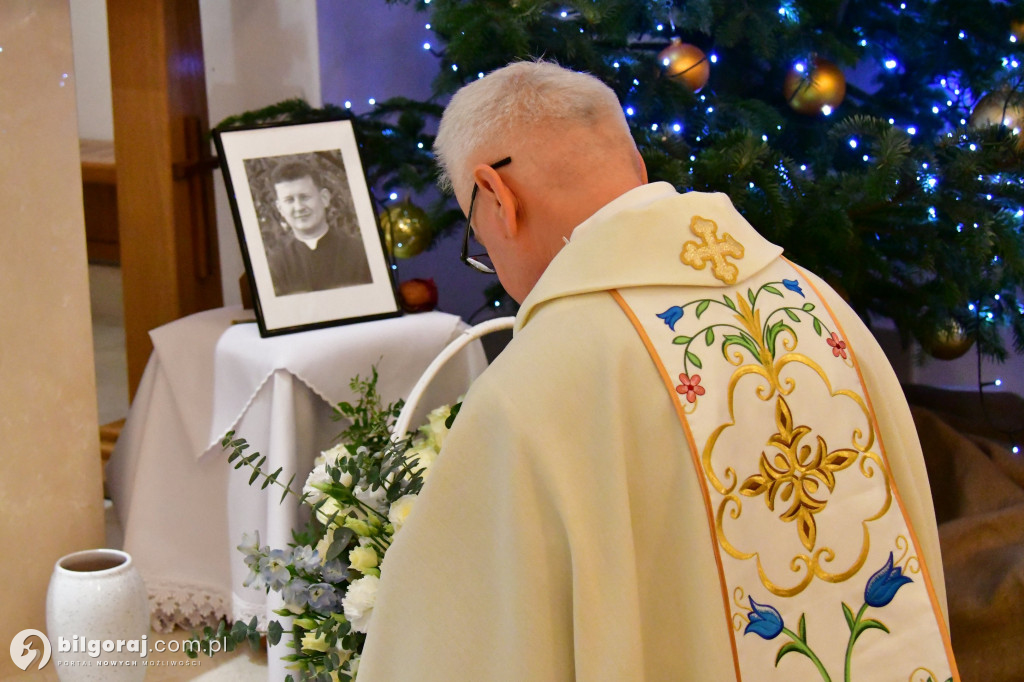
x=920, y=228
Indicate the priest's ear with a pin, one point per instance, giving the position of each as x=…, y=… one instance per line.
x=494, y=189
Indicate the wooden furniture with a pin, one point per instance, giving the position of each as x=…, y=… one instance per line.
x=99, y=197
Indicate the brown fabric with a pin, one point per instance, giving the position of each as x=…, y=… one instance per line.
x=978, y=490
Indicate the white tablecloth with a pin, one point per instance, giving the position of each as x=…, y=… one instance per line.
x=182, y=506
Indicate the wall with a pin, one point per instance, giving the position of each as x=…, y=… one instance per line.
x=257, y=53
x=92, y=69
x=51, y=499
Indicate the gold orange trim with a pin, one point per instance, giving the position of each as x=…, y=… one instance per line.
x=669, y=385
x=944, y=629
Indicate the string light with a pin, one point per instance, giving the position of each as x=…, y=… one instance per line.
x=393, y=196
x=348, y=104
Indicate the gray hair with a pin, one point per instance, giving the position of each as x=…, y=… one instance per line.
x=487, y=115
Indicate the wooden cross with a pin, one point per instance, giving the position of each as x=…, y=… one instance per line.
x=712, y=249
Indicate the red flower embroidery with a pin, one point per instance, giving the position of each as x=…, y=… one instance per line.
x=690, y=387
x=838, y=346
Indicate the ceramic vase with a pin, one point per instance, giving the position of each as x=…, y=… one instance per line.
x=97, y=617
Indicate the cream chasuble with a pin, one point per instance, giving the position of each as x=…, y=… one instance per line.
x=693, y=462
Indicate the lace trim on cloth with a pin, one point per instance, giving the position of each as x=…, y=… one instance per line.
x=187, y=606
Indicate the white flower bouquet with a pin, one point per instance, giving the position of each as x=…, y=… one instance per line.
x=360, y=493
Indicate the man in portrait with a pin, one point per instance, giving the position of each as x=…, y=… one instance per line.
x=313, y=253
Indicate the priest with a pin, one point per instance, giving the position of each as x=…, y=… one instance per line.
x=692, y=462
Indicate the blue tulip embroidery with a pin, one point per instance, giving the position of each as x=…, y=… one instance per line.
x=793, y=285
x=671, y=316
x=766, y=621
x=882, y=586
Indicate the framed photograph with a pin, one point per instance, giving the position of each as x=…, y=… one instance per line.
x=314, y=254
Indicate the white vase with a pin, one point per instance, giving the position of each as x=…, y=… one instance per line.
x=97, y=617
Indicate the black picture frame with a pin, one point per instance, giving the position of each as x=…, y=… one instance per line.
x=309, y=235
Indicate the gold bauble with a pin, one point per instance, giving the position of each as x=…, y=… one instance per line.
x=820, y=84
x=950, y=342
x=1002, y=107
x=406, y=230
x=686, y=64
x=1017, y=29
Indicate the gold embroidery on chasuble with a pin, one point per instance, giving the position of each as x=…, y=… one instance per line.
x=803, y=515
x=711, y=249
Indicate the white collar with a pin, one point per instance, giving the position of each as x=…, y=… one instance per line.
x=636, y=198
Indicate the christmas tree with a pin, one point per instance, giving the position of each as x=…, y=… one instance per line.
x=878, y=142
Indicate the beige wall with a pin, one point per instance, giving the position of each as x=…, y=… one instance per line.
x=50, y=478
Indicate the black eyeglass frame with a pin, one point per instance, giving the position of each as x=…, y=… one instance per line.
x=474, y=261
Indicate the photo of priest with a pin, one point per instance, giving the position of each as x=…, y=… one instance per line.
x=314, y=243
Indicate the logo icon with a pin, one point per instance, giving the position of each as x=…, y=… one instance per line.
x=23, y=654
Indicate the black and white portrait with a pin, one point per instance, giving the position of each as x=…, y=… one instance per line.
x=307, y=222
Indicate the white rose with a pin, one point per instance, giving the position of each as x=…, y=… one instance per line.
x=331, y=456
x=421, y=458
x=330, y=508
x=373, y=498
x=399, y=511
x=359, y=601
x=435, y=430
x=318, y=476
x=363, y=558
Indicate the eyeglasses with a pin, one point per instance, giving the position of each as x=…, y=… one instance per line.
x=481, y=262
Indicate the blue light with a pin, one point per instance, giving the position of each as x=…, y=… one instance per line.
x=630, y=111
x=803, y=166
x=615, y=64
x=654, y=126
x=676, y=127
x=864, y=158
x=419, y=145
x=800, y=67
x=971, y=307
x=714, y=58
x=1016, y=450
x=426, y=26
x=826, y=109
x=661, y=27
x=996, y=297
x=853, y=143
x=564, y=14
x=393, y=196
x=973, y=147
x=891, y=64
x=711, y=110
x=912, y=130
x=455, y=67
x=935, y=110
x=962, y=35
x=479, y=75
x=426, y=46
x=348, y=104
x=863, y=43
x=764, y=138
x=372, y=101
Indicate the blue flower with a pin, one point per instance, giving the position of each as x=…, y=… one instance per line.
x=322, y=597
x=334, y=571
x=296, y=592
x=671, y=316
x=306, y=559
x=274, y=569
x=764, y=621
x=793, y=285
x=882, y=586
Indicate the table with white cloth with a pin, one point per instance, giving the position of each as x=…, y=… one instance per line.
x=182, y=505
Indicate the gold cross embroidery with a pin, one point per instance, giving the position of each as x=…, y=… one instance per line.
x=712, y=249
